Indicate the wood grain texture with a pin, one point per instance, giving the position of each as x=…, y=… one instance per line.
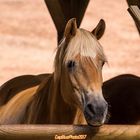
x=63, y=10
x=49, y=132
x=57, y=15
x=135, y=13
x=134, y=2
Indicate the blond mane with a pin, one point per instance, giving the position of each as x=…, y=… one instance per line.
x=84, y=43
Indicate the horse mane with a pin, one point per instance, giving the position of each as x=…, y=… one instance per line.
x=84, y=43
x=35, y=113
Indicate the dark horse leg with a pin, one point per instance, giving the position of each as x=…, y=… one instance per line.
x=123, y=96
x=17, y=84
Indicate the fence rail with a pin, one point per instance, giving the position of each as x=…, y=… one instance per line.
x=50, y=132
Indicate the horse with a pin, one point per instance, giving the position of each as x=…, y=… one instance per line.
x=123, y=96
x=18, y=84
x=116, y=91
x=74, y=89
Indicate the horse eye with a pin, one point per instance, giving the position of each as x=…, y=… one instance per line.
x=71, y=64
x=103, y=63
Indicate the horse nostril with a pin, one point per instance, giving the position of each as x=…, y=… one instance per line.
x=102, y=113
x=90, y=108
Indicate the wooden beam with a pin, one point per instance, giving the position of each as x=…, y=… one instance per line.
x=74, y=8
x=62, y=10
x=132, y=3
x=135, y=13
x=49, y=132
x=57, y=15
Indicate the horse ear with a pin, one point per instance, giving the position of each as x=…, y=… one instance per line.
x=100, y=29
x=71, y=28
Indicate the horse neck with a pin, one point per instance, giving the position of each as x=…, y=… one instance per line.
x=73, y=115
x=48, y=105
x=59, y=107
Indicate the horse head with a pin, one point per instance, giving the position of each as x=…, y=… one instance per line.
x=78, y=66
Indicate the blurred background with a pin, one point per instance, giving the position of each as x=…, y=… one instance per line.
x=28, y=38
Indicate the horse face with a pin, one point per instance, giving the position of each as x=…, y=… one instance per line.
x=86, y=82
x=82, y=73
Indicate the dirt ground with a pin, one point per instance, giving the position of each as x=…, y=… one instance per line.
x=28, y=37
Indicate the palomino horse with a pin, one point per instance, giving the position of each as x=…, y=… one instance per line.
x=121, y=92
x=72, y=94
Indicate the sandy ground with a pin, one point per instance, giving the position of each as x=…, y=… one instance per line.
x=28, y=37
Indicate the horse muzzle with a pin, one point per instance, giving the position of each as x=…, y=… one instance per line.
x=95, y=110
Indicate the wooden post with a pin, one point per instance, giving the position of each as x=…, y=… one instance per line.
x=134, y=11
x=134, y=2
x=62, y=10
x=50, y=132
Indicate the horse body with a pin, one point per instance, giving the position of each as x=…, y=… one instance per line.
x=32, y=106
x=70, y=95
x=14, y=110
x=18, y=84
x=121, y=93
x=123, y=96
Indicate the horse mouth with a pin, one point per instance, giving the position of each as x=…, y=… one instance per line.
x=93, y=120
x=95, y=124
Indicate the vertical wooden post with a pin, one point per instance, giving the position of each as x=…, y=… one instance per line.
x=134, y=2
x=131, y=11
x=62, y=10
x=135, y=13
